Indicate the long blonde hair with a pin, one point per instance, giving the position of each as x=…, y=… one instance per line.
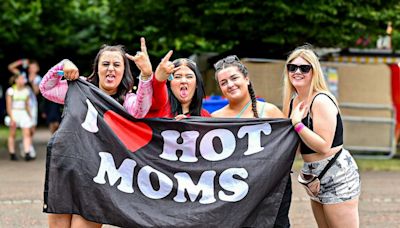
x=318, y=83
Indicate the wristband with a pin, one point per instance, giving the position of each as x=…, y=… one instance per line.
x=298, y=127
x=144, y=78
x=60, y=73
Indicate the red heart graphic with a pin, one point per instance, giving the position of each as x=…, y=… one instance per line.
x=134, y=135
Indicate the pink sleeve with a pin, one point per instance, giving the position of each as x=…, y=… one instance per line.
x=138, y=105
x=52, y=87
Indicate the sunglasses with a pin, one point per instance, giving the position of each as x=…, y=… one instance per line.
x=228, y=60
x=303, y=68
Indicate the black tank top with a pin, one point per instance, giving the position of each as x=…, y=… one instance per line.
x=307, y=121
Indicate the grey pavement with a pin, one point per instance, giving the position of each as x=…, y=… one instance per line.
x=21, y=187
x=21, y=194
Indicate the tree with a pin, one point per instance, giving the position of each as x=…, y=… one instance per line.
x=52, y=30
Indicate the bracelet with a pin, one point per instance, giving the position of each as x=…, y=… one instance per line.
x=299, y=127
x=144, y=78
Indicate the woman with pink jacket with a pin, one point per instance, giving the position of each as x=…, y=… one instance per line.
x=111, y=73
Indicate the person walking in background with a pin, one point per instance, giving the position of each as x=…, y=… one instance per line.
x=315, y=116
x=234, y=82
x=184, y=87
x=29, y=69
x=52, y=114
x=112, y=74
x=18, y=111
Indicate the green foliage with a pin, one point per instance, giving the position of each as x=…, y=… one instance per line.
x=364, y=164
x=4, y=131
x=77, y=28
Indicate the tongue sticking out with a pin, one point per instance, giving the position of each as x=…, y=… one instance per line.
x=184, y=92
x=110, y=79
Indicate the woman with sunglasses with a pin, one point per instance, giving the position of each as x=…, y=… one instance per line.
x=112, y=74
x=315, y=116
x=233, y=79
x=182, y=85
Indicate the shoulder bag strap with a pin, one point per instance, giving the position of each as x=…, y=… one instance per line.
x=329, y=164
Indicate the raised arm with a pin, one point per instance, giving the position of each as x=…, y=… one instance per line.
x=52, y=87
x=142, y=60
x=160, y=92
x=13, y=67
x=138, y=105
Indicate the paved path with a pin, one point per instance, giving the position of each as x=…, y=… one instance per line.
x=21, y=194
x=379, y=202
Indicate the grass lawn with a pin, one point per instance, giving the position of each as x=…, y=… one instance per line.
x=4, y=137
x=365, y=164
x=379, y=165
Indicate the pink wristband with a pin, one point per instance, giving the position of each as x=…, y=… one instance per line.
x=299, y=127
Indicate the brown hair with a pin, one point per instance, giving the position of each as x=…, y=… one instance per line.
x=127, y=81
x=233, y=61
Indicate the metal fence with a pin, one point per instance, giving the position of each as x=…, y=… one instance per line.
x=368, y=132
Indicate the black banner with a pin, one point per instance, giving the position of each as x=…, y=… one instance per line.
x=199, y=172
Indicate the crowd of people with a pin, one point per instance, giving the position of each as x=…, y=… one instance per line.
x=176, y=90
x=24, y=107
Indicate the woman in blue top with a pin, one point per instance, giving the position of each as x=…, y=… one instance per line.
x=316, y=118
x=234, y=82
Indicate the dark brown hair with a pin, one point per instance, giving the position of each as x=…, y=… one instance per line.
x=127, y=81
x=233, y=60
x=197, y=99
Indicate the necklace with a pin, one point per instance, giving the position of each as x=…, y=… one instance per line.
x=243, y=109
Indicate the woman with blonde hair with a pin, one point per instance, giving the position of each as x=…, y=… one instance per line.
x=315, y=116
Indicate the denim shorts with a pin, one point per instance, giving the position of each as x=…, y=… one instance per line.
x=340, y=183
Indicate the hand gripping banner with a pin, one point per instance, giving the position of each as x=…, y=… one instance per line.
x=199, y=172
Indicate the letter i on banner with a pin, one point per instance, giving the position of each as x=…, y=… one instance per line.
x=90, y=123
